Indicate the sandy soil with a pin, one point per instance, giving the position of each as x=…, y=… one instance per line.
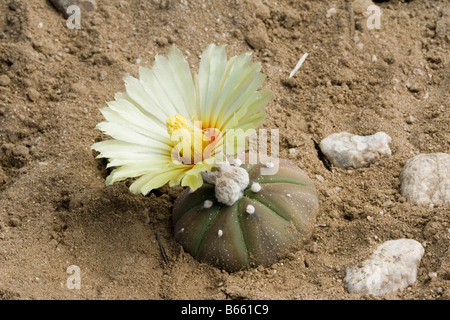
x=55, y=210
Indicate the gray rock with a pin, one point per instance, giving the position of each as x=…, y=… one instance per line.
x=62, y=5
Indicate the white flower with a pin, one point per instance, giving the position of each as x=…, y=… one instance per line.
x=170, y=126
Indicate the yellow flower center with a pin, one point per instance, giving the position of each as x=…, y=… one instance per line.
x=193, y=143
x=177, y=124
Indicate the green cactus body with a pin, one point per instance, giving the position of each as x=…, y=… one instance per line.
x=255, y=229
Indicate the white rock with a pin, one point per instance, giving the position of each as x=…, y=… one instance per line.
x=346, y=150
x=331, y=12
x=425, y=179
x=292, y=152
x=392, y=266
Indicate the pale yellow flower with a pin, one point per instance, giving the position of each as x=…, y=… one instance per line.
x=170, y=126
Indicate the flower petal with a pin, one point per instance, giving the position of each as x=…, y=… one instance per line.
x=126, y=134
x=210, y=79
x=116, y=149
x=152, y=180
x=170, y=84
x=137, y=92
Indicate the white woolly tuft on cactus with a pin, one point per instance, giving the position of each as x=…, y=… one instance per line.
x=230, y=182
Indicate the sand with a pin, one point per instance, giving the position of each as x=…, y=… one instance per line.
x=57, y=212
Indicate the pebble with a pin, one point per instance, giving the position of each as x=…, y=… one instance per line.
x=162, y=41
x=292, y=152
x=13, y=222
x=392, y=266
x=331, y=12
x=4, y=80
x=257, y=37
x=33, y=94
x=62, y=5
x=360, y=6
x=425, y=179
x=347, y=150
x=410, y=119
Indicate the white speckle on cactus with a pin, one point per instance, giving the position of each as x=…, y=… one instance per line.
x=207, y=204
x=256, y=187
x=269, y=164
x=237, y=162
x=346, y=150
x=220, y=233
x=288, y=195
x=250, y=209
x=392, y=266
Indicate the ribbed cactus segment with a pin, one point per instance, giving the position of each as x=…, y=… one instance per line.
x=279, y=216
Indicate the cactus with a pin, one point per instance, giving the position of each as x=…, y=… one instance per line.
x=274, y=213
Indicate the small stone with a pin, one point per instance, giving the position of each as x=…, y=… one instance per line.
x=360, y=6
x=33, y=94
x=419, y=72
x=410, y=119
x=292, y=152
x=13, y=222
x=388, y=203
x=443, y=24
x=331, y=12
x=102, y=75
x=20, y=151
x=425, y=179
x=347, y=150
x=257, y=37
x=88, y=5
x=392, y=266
x=62, y=5
x=4, y=80
x=289, y=82
x=295, y=141
x=313, y=247
x=261, y=10
x=162, y=41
